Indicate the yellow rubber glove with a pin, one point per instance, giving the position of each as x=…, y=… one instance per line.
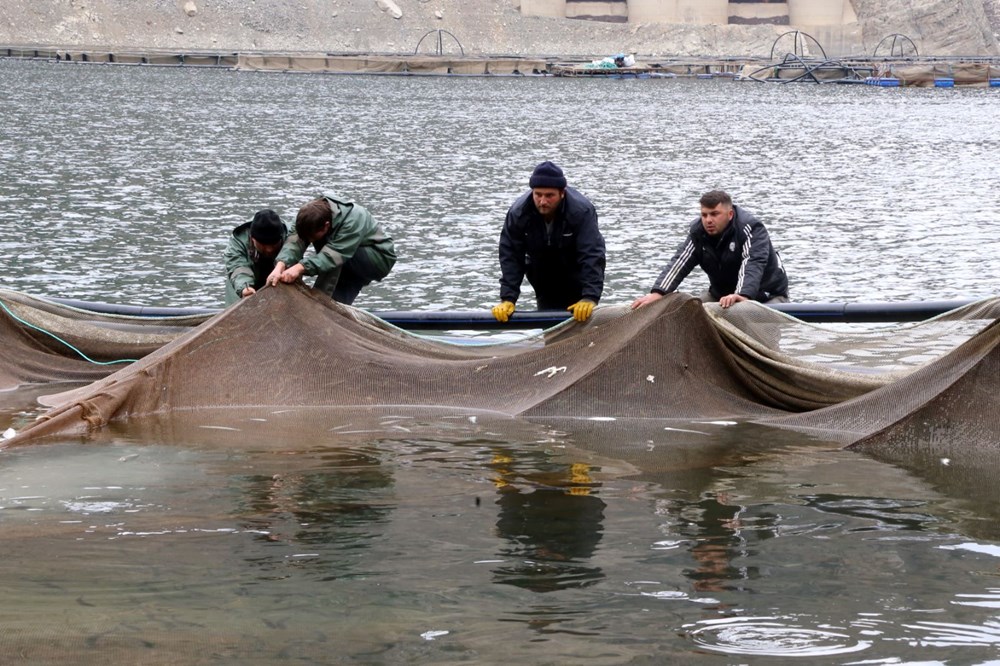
x=582, y=309
x=503, y=311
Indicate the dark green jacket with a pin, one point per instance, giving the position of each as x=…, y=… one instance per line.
x=245, y=267
x=352, y=227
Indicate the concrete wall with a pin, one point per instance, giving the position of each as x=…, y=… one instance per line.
x=775, y=13
x=701, y=12
x=693, y=12
x=597, y=9
x=820, y=12
x=550, y=8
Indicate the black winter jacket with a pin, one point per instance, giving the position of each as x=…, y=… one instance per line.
x=740, y=261
x=563, y=265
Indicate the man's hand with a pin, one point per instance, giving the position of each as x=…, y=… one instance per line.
x=646, y=300
x=272, y=279
x=247, y=291
x=582, y=309
x=731, y=299
x=503, y=311
x=292, y=274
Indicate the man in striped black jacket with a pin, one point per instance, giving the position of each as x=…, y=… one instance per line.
x=733, y=248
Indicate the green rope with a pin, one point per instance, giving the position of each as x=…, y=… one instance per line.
x=58, y=339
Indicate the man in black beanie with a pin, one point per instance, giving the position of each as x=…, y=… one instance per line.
x=551, y=237
x=251, y=252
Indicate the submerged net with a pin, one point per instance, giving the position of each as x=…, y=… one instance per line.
x=46, y=342
x=675, y=359
x=933, y=384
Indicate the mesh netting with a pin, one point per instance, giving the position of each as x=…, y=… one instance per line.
x=890, y=386
x=46, y=342
x=674, y=359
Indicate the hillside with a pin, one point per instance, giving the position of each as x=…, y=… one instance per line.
x=939, y=27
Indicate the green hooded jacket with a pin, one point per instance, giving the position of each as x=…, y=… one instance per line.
x=245, y=267
x=352, y=227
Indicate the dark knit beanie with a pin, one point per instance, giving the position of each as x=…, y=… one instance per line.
x=267, y=228
x=547, y=174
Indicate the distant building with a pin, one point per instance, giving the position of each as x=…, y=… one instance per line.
x=796, y=13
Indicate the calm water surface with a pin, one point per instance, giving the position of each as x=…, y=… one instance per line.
x=319, y=537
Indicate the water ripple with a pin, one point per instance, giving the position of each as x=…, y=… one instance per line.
x=948, y=634
x=772, y=636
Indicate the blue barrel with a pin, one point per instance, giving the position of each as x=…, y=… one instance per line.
x=944, y=83
x=883, y=81
x=994, y=83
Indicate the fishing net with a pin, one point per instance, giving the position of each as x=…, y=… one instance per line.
x=947, y=403
x=292, y=348
x=932, y=383
x=46, y=342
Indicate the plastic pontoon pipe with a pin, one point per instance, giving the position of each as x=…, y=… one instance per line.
x=521, y=319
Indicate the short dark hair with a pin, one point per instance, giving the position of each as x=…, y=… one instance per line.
x=312, y=217
x=714, y=198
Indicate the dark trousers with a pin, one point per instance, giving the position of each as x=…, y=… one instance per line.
x=557, y=303
x=556, y=296
x=345, y=283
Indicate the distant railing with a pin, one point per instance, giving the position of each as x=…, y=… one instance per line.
x=799, y=43
x=439, y=50
x=896, y=39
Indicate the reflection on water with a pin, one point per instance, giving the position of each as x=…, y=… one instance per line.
x=406, y=548
x=888, y=514
x=551, y=519
x=340, y=503
x=719, y=530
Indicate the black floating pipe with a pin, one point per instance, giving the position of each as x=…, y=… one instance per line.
x=869, y=312
x=471, y=319
x=419, y=320
x=132, y=310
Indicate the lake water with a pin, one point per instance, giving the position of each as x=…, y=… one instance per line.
x=122, y=183
x=381, y=538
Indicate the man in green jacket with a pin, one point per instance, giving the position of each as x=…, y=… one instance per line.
x=351, y=250
x=250, y=254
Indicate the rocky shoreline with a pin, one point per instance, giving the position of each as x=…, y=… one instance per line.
x=479, y=27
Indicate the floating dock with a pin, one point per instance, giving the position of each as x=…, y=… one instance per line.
x=414, y=64
x=883, y=72
x=941, y=72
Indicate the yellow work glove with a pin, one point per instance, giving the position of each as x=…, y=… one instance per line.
x=503, y=311
x=582, y=309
